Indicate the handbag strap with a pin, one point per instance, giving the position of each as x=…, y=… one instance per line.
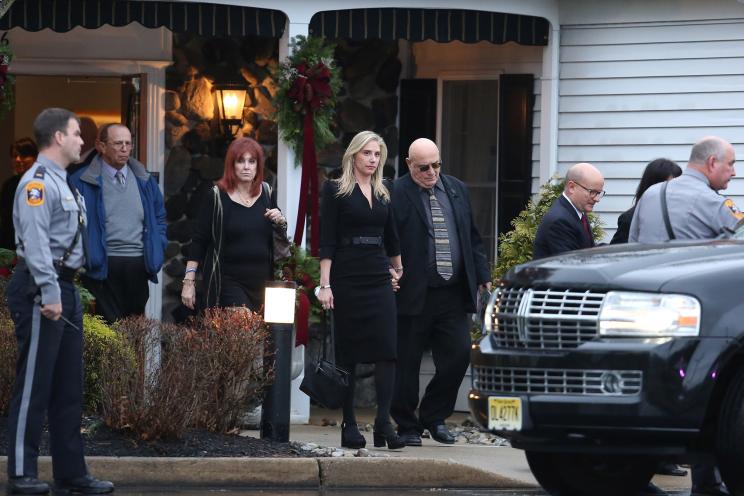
x=665, y=212
x=329, y=329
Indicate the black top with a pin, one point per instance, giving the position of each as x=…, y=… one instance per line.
x=623, y=227
x=351, y=216
x=246, y=237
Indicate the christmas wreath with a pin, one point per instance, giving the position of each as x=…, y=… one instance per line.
x=7, y=98
x=308, y=82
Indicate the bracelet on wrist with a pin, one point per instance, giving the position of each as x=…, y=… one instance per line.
x=185, y=280
x=326, y=286
x=191, y=269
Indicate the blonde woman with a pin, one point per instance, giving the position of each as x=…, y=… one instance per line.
x=360, y=267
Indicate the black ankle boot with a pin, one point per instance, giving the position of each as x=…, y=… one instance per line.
x=351, y=437
x=385, y=434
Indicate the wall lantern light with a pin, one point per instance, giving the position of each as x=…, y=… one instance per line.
x=230, y=100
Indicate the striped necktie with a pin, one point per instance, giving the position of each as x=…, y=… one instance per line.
x=120, y=180
x=441, y=238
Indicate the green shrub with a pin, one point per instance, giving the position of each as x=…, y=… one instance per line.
x=515, y=246
x=102, y=348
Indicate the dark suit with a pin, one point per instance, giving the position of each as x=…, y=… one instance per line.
x=561, y=230
x=433, y=316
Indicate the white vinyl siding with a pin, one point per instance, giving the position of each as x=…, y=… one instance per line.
x=630, y=93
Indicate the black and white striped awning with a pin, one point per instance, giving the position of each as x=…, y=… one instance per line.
x=198, y=18
x=442, y=25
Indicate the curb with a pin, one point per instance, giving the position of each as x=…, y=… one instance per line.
x=288, y=472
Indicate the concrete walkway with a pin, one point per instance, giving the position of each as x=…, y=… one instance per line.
x=433, y=465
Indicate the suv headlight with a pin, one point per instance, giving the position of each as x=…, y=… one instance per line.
x=626, y=314
x=489, y=315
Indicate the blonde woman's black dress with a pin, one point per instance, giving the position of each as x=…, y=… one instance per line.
x=359, y=240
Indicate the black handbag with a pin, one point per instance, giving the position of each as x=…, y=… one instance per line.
x=324, y=381
x=280, y=243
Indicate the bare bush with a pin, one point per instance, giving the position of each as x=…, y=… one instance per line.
x=155, y=402
x=234, y=367
x=211, y=372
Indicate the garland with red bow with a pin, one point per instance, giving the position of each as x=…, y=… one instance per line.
x=7, y=97
x=308, y=82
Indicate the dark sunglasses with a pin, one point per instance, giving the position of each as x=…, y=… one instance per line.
x=425, y=167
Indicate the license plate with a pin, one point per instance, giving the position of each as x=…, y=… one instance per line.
x=504, y=413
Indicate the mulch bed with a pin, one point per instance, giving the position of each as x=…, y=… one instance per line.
x=102, y=441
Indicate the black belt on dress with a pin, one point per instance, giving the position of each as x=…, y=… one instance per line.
x=362, y=240
x=65, y=273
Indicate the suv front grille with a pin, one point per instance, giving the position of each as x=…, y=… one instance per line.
x=499, y=380
x=545, y=319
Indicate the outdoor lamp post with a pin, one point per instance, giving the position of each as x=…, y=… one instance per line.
x=279, y=308
x=230, y=101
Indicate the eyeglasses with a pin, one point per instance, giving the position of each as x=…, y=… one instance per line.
x=597, y=194
x=120, y=144
x=425, y=167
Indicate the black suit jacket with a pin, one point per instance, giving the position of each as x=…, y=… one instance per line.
x=561, y=230
x=413, y=230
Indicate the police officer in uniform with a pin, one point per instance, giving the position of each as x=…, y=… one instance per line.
x=49, y=220
x=695, y=211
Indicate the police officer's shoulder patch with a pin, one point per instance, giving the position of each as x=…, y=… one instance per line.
x=35, y=193
x=40, y=172
x=733, y=209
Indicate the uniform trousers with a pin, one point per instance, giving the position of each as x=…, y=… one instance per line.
x=443, y=326
x=124, y=292
x=49, y=380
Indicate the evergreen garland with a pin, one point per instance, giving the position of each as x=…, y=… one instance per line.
x=310, y=61
x=7, y=96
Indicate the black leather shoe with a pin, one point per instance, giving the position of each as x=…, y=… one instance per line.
x=441, y=434
x=86, y=484
x=411, y=439
x=653, y=490
x=671, y=469
x=717, y=490
x=26, y=485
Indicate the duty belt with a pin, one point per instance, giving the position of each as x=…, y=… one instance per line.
x=63, y=272
x=362, y=240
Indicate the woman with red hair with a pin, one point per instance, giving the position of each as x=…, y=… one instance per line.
x=233, y=235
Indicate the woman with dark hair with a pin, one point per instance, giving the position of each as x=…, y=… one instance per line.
x=22, y=155
x=360, y=266
x=233, y=234
x=656, y=171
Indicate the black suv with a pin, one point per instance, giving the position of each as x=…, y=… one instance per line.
x=601, y=363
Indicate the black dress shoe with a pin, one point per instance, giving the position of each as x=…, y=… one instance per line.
x=653, y=490
x=671, y=469
x=441, y=434
x=26, y=485
x=86, y=484
x=717, y=490
x=411, y=439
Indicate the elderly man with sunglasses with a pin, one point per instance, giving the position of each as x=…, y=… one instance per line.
x=445, y=265
x=566, y=227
